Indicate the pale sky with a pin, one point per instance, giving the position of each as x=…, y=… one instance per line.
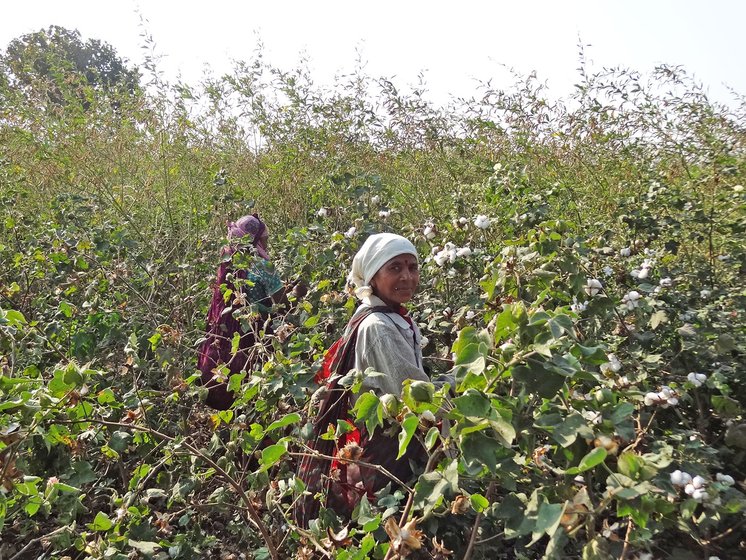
x=453, y=43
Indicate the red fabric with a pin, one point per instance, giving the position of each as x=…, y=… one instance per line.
x=326, y=366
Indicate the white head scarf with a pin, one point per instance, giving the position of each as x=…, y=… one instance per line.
x=377, y=250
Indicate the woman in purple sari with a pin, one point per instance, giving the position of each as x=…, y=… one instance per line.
x=242, y=298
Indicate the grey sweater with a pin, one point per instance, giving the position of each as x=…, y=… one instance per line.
x=387, y=344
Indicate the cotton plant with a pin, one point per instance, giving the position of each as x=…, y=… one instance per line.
x=644, y=271
x=631, y=300
x=578, y=307
x=449, y=254
x=696, y=486
x=482, y=221
x=429, y=231
x=696, y=379
x=612, y=366
x=460, y=223
x=664, y=398
x=593, y=286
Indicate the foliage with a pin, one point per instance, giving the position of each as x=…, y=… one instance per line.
x=583, y=280
x=49, y=61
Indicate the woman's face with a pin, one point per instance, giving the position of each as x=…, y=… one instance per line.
x=396, y=281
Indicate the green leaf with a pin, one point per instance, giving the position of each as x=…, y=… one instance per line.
x=473, y=403
x=62, y=487
x=292, y=418
x=431, y=487
x=3, y=511
x=408, y=428
x=560, y=324
x=72, y=376
x=477, y=448
x=548, y=519
x=101, y=522
x=472, y=358
x=106, y=396
x=311, y=322
x=568, y=431
x=271, y=455
x=592, y=459
x=14, y=318
x=120, y=440
x=622, y=411
x=726, y=406
x=538, y=379
x=368, y=409
x=32, y=505
x=431, y=438
x=479, y=502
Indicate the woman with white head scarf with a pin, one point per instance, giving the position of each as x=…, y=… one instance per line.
x=385, y=274
x=380, y=336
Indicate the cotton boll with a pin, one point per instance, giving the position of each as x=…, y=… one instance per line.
x=676, y=478
x=631, y=300
x=725, y=479
x=593, y=286
x=463, y=252
x=699, y=494
x=698, y=482
x=697, y=379
x=665, y=282
x=651, y=399
x=482, y=221
x=350, y=232
x=441, y=258
x=322, y=213
x=578, y=307
x=626, y=252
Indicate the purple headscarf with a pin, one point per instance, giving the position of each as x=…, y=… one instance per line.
x=249, y=225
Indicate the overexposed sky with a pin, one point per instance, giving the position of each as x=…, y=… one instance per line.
x=453, y=43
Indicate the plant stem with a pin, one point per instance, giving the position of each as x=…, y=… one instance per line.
x=475, y=527
x=254, y=517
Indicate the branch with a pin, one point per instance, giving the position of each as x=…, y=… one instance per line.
x=253, y=514
x=32, y=542
x=475, y=528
